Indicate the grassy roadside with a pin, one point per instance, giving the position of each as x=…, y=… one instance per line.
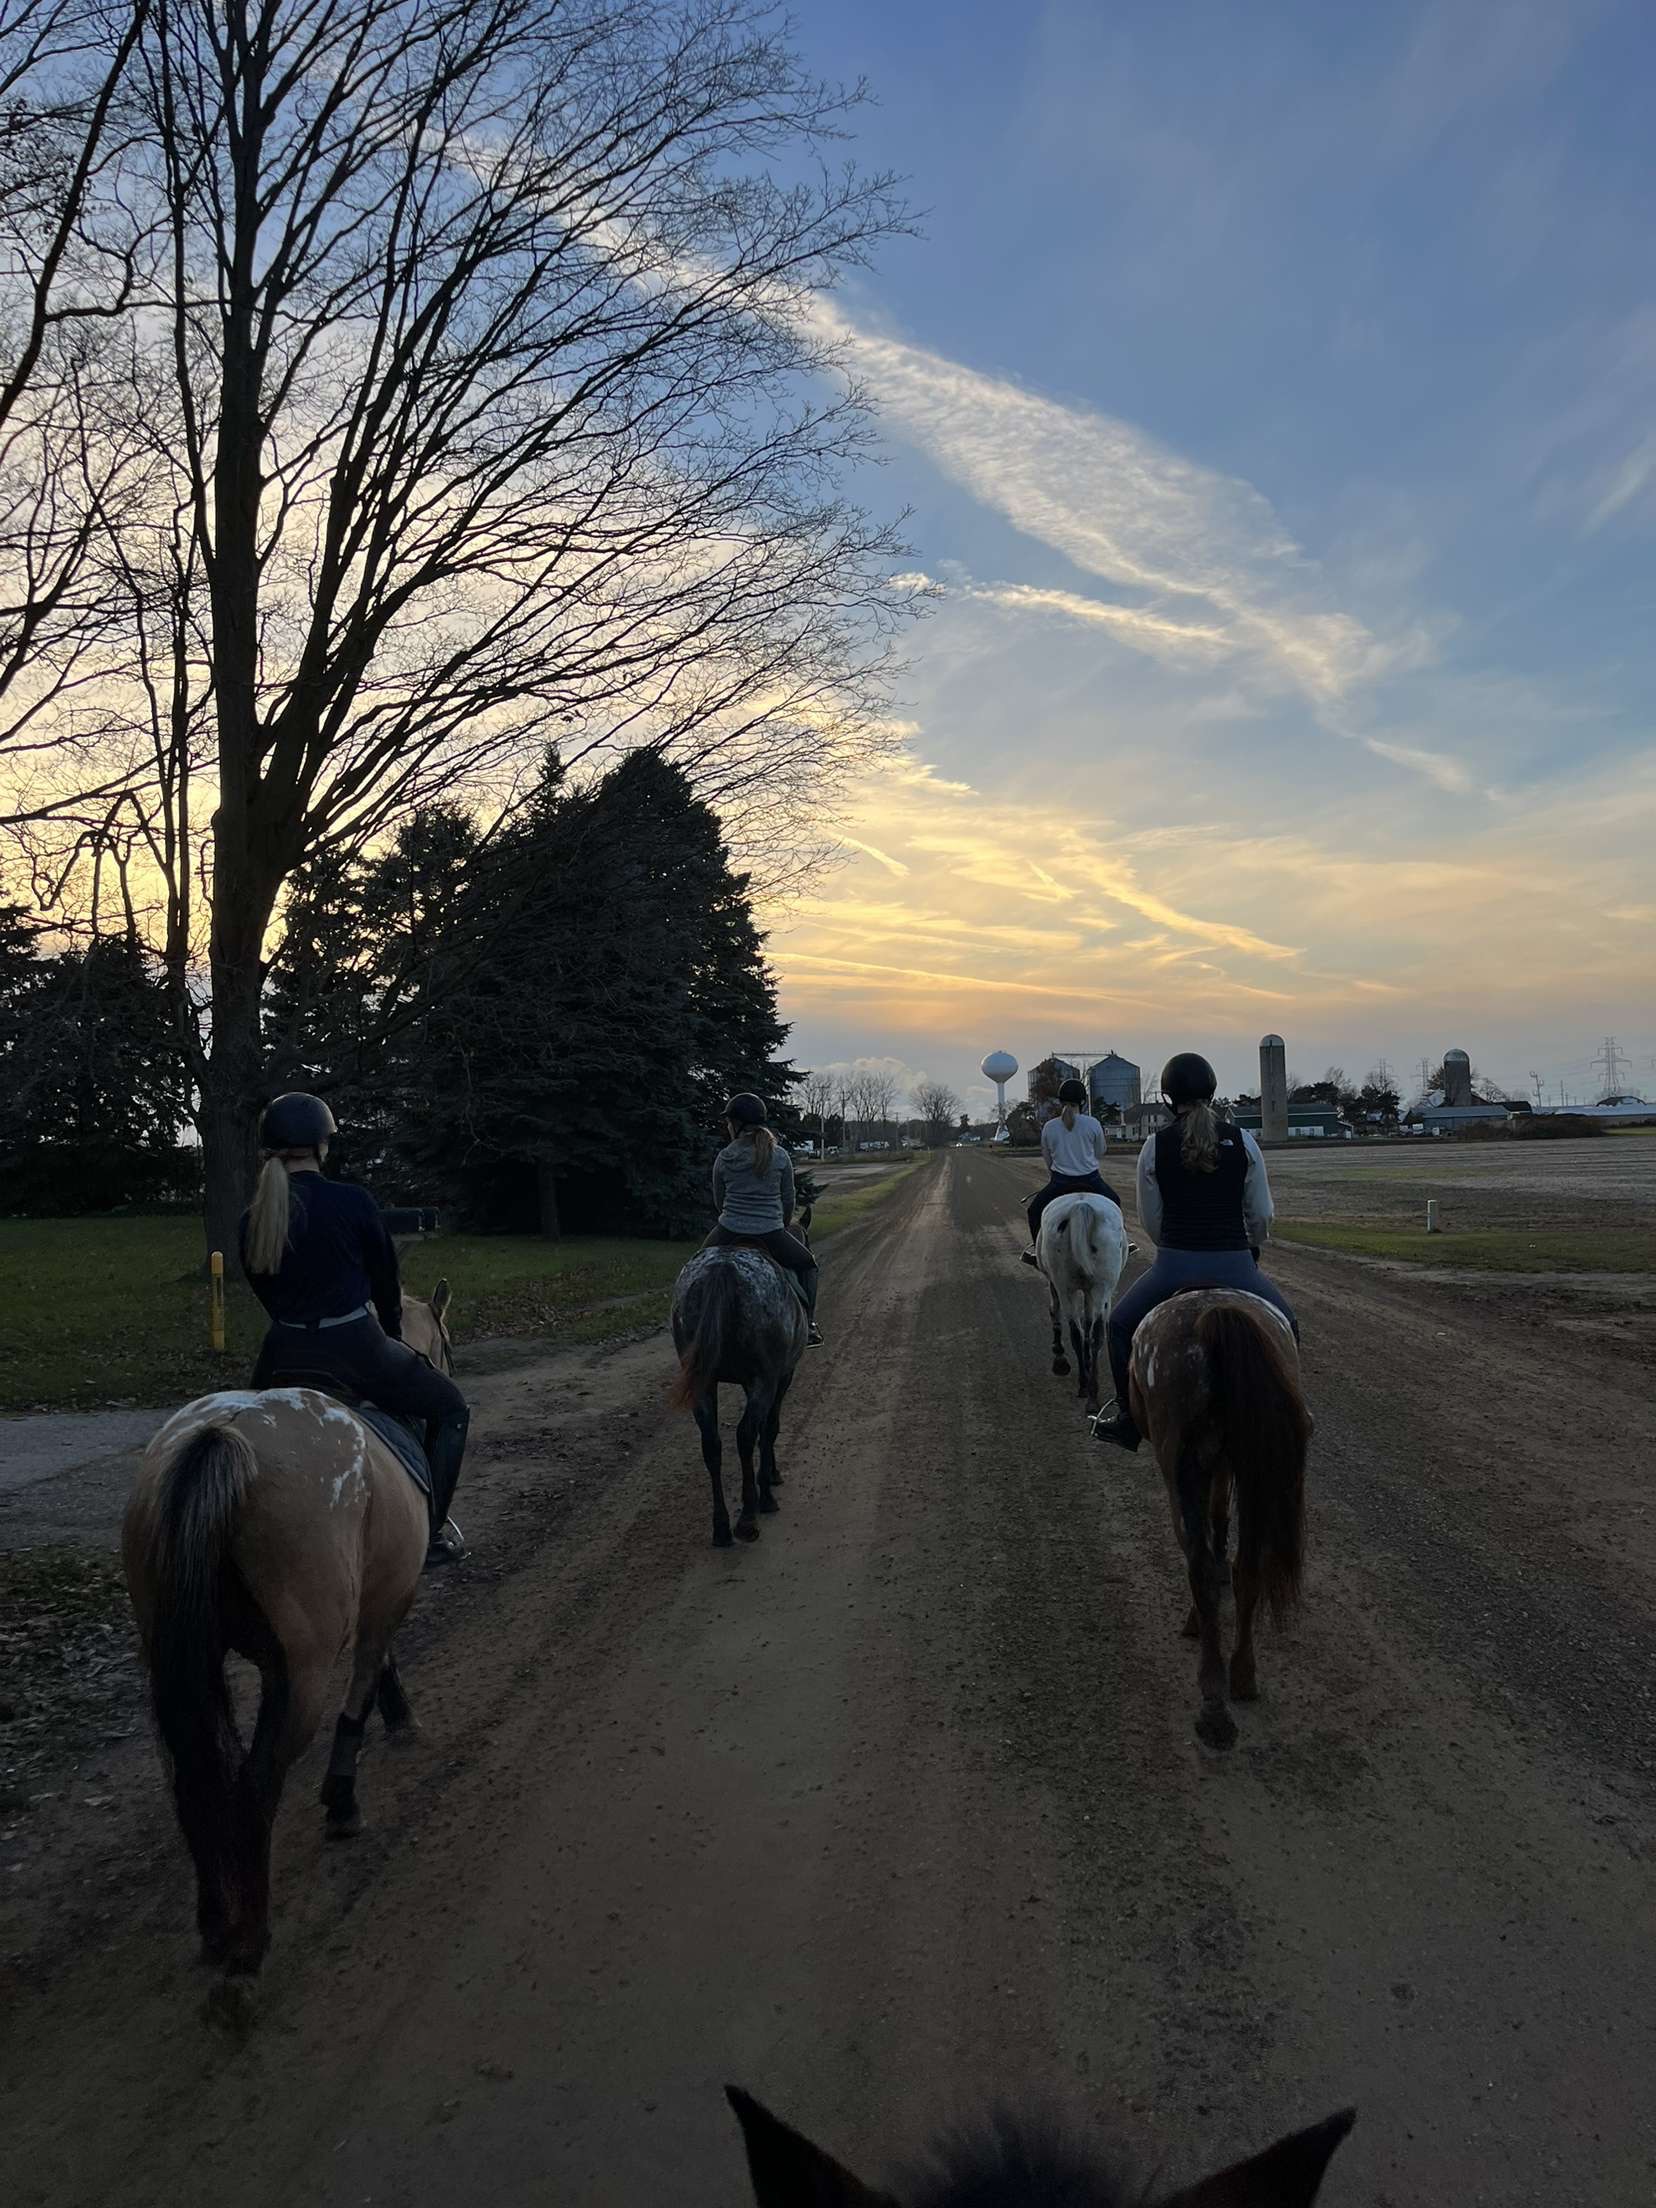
x=1484, y=1249
x=96, y=1312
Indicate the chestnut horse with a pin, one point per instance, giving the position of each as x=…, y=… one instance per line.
x=1014, y=2161
x=276, y=1525
x=1214, y=1384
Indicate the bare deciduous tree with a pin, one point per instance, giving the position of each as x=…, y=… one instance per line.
x=817, y=1095
x=481, y=412
x=937, y=1104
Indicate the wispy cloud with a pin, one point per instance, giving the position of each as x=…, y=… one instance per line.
x=1121, y=506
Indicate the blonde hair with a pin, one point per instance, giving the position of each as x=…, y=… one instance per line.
x=1070, y=1111
x=764, y=1149
x=267, y=1219
x=1199, y=1142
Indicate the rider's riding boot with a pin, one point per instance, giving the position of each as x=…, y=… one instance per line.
x=809, y=1282
x=1121, y=1429
x=445, y=1448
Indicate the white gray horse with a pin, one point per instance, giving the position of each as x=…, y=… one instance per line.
x=738, y=1320
x=1082, y=1248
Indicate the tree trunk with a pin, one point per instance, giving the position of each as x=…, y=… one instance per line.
x=546, y=1186
x=232, y=1088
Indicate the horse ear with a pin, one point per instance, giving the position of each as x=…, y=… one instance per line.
x=1284, y=2176
x=787, y=2171
x=439, y=1299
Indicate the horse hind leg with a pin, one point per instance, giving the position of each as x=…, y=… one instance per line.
x=1214, y=1723
x=1244, y=1679
x=706, y=1411
x=396, y=1711
x=756, y=1413
x=769, y=1477
x=339, y=1794
x=1060, y=1363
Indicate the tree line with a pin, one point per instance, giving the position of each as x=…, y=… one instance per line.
x=390, y=392
x=534, y=1029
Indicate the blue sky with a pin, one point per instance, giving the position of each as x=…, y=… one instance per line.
x=1274, y=388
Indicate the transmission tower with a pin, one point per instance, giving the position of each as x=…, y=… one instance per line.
x=1535, y=1084
x=1610, y=1058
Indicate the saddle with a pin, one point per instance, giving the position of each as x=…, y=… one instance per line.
x=397, y=1434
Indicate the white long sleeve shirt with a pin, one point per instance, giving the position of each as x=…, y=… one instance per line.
x=1073, y=1151
x=1257, y=1208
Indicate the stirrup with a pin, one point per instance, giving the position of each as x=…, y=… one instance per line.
x=446, y=1546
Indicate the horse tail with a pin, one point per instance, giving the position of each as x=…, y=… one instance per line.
x=1266, y=1429
x=714, y=1313
x=190, y=1571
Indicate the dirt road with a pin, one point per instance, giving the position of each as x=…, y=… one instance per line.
x=903, y=1805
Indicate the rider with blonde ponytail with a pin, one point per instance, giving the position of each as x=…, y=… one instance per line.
x=753, y=1186
x=1072, y=1143
x=319, y=1258
x=1205, y=1202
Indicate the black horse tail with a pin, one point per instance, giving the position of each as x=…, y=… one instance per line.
x=193, y=1586
x=708, y=1331
x=1266, y=1430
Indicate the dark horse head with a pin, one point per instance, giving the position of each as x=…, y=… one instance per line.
x=1012, y=2162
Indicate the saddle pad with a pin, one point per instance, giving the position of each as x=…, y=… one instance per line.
x=401, y=1443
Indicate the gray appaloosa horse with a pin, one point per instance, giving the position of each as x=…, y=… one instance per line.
x=738, y=1320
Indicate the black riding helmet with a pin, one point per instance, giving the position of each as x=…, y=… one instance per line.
x=1072, y=1092
x=747, y=1110
x=296, y=1122
x=1188, y=1079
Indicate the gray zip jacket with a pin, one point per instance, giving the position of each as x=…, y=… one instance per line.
x=751, y=1202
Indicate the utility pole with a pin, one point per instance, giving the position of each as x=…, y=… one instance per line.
x=1610, y=1058
x=1535, y=1084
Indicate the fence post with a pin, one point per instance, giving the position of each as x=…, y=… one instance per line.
x=1431, y=1215
x=217, y=1264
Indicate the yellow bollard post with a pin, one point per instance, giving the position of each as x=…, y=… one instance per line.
x=218, y=1299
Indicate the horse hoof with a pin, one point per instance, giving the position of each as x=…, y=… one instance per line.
x=769, y=1505
x=1216, y=1728
x=344, y=1824
x=1244, y=1687
x=746, y=1530
x=723, y=1538
x=776, y=1479
x=1060, y=1368
x=405, y=1735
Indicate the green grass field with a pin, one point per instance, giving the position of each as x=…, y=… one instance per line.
x=1485, y=1249
x=99, y=1311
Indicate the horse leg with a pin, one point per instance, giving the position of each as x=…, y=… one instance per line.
x=1214, y=1725
x=1060, y=1363
x=769, y=1477
x=339, y=1796
x=1221, y=1522
x=394, y=1706
x=707, y=1425
x=1244, y=1681
x=755, y=1412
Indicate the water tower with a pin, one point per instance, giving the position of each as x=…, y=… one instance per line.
x=999, y=1067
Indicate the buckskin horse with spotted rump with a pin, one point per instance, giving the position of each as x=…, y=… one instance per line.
x=1214, y=1382
x=278, y=1525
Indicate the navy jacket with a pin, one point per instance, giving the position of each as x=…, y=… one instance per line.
x=339, y=1257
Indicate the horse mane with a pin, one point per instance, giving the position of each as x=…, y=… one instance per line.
x=1035, y=2159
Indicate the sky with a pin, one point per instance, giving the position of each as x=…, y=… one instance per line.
x=1273, y=391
